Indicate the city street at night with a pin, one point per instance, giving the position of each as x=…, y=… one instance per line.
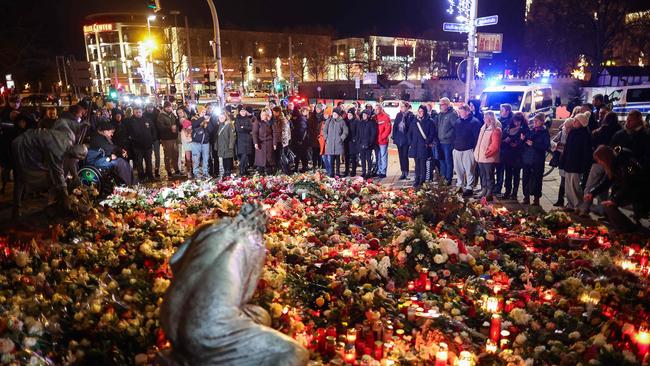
x=430, y=182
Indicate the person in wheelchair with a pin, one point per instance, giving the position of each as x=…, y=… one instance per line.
x=104, y=154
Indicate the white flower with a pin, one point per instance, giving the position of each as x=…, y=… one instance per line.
x=519, y=316
x=521, y=339
x=29, y=342
x=448, y=246
x=438, y=259
x=6, y=345
x=383, y=266
x=22, y=258
x=574, y=335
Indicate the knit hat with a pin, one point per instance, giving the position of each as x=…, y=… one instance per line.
x=352, y=110
x=583, y=118
x=105, y=126
x=249, y=109
x=338, y=111
x=240, y=107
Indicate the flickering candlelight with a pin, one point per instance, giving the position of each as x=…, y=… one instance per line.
x=351, y=335
x=628, y=265
x=504, y=339
x=643, y=341
x=601, y=240
x=492, y=304
x=442, y=355
x=491, y=346
x=350, y=355
x=424, y=273
x=571, y=231
x=411, y=286
x=427, y=285
x=466, y=359
x=495, y=327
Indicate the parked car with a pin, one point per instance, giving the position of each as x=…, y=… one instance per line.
x=233, y=98
x=627, y=98
x=391, y=107
x=529, y=99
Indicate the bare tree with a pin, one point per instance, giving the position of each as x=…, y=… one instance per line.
x=318, y=61
x=171, y=56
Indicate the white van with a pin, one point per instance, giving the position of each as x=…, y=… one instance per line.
x=628, y=98
x=529, y=99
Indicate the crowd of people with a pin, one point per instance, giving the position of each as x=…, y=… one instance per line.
x=597, y=156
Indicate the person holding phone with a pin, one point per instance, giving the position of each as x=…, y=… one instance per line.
x=202, y=128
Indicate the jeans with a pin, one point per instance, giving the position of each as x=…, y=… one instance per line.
x=487, y=178
x=447, y=162
x=513, y=174
x=156, y=154
x=335, y=165
x=201, y=151
x=383, y=159
x=225, y=167
x=141, y=154
x=366, y=162
x=403, y=152
x=501, y=169
x=532, y=179
x=464, y=167
x=420, y=171
x=325, y=159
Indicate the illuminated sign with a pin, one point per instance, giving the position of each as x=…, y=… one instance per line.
x=98, y=28
x=490, y=42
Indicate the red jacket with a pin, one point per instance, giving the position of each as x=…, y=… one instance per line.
x=384, y=128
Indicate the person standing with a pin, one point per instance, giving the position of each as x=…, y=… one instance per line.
x=576, y=159
x=300, y=137
x=351, y=144
x=366, y=138
x=466, y=131
x=384, y=129
x=511, y=149
x=151, y=114
x=141, y=135
x=168, y=127
x=505, y=118
x=186, y=140
x=225, y=145
x=403, y=122
x=445, y=126
x=335, y=132
x=202, y=128
x=244, y=145
x=266, y=140
x=421, y=139
x=314, y=128
x=557, y=146
x=487, y=153
x=284, y=125
x=536, y=142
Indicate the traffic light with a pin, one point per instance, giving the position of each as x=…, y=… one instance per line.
x=112, y=94
x=154, y=5
x=250, y=61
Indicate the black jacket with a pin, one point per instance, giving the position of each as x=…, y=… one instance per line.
x=299, y=131
x=637, y=142
x=314, y=125
x=243, y=129
x=153, y=117
x=141, y=132
x=466, y=133
x=366, y=134
x=401, y=131
x=98, y=141
x=604, y=134
x=202, y=130
x=536, y=153
x=576, y=157
x=352, y=142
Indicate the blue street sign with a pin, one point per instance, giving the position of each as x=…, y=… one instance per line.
x=455, y=27
x=491, y=20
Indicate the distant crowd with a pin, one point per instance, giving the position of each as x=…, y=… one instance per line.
x=597, y=156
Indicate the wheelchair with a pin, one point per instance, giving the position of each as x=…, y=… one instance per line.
x=103, y=179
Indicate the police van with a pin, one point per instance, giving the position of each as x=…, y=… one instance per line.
x=524, y=97
x=628, y=98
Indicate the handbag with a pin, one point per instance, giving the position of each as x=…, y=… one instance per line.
x=555, y=159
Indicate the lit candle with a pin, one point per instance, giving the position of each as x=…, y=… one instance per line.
x=427, y=285
x=491, y=346
x=504, y=339
x=601, y=240
x=424, y=273
x=492, y=304
x=570, y=231
x=495, y=327
x=644, y=260
x=411, y=286
x=352, y=335
x=643, y=341
x=628, y=265
x=497, y=288
x=350, y=355
x=441, y=355
x=466, y=359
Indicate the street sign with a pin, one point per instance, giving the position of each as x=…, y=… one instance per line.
x=457, y=53
x=455, y=27
x=370, y=78
x=490, y=42
x=487, y=55
x=357, y=82
x=491, y=20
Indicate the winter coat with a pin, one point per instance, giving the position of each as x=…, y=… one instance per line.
x=506, y=121
x=335, y=132
x=201, y=130
x=638, y=142
x=466, y=133
x=352, y=141
x=168, y=126
x=299, y=134
x=512, y=149
x=488, y=146
x=536, y=153
x=285, y=131
x=366, y=135
x=153, y=117
x=243, y=130
x=101, y=142
x=401, y=128
x=577, y=151
x=225, y=140
x=446, y=121
x=265, y=135
x=314, y=127
x=604, y=134
x=420, y=148
x=384, y=128
x=141, y=132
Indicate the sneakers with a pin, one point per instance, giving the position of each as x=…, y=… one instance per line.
x=403, y=177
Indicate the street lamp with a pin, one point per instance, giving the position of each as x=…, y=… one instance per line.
x=217, y=50
x=151, y=45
